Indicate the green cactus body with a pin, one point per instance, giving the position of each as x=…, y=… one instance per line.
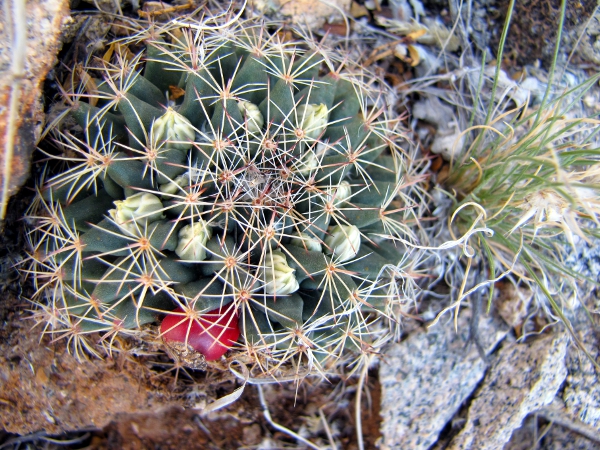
x=252, y=188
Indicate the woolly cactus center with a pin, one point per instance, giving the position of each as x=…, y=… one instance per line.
x=353, y=156
x=78, y=245
x=151, y=154
x=59, y=274
x=226, y=176
x=259, y=201
x=220, y=144
x=227, y=205
x=285, y=173
x=310, y=185
x=286, y=204
x=105, y=160
x=192, y=315
x=269, y=232
x=304, y=342
x=356, y=296
x=91, y=160
x=331, y=269
x=226, y=93
x=52, y=219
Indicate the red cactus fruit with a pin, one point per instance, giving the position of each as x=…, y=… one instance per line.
x=212, y=335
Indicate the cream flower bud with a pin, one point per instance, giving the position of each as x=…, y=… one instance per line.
x=251, y=112
x=279, y=278
x=173, y=187
x=322, y=148
x=141, y=208
x=343, y=241
x=307, y=163
x=192, y=241
x=340, y=193
x=173, y=129
x=314, y=119
x=307, y=241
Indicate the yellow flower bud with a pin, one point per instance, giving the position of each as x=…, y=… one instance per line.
x=174, y=130
x=279, y=278
x=253, y=116
x=343, y=241
x=141, y=208
x=313, y=119
x=340, y=193
x=307, y=241
x=192, y=241
x=307, y=163
x=173, y=187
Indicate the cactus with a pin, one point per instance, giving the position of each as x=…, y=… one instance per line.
x=226, y=172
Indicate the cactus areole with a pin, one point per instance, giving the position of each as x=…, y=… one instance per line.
x=224, y=171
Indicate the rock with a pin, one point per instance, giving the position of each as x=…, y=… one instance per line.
x=523, y=379
x=582, y=393
x=29, y=39
x=310, y=13
x=426, y=378
x=449, y=139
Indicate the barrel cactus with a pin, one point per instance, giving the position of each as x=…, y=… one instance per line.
x=225, y=173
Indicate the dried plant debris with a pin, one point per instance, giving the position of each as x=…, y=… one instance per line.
x=586, y=39
x=429, y=32
x=448, y=139
x=513, y=303
x=552, y=428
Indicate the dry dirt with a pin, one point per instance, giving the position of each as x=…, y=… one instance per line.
x=121, y=403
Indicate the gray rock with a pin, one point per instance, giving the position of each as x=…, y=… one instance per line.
x=426, y=378
x=581, y=394
x=523, y=379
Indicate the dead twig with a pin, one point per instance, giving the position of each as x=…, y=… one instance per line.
x=278, y=427
x=562, y=418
